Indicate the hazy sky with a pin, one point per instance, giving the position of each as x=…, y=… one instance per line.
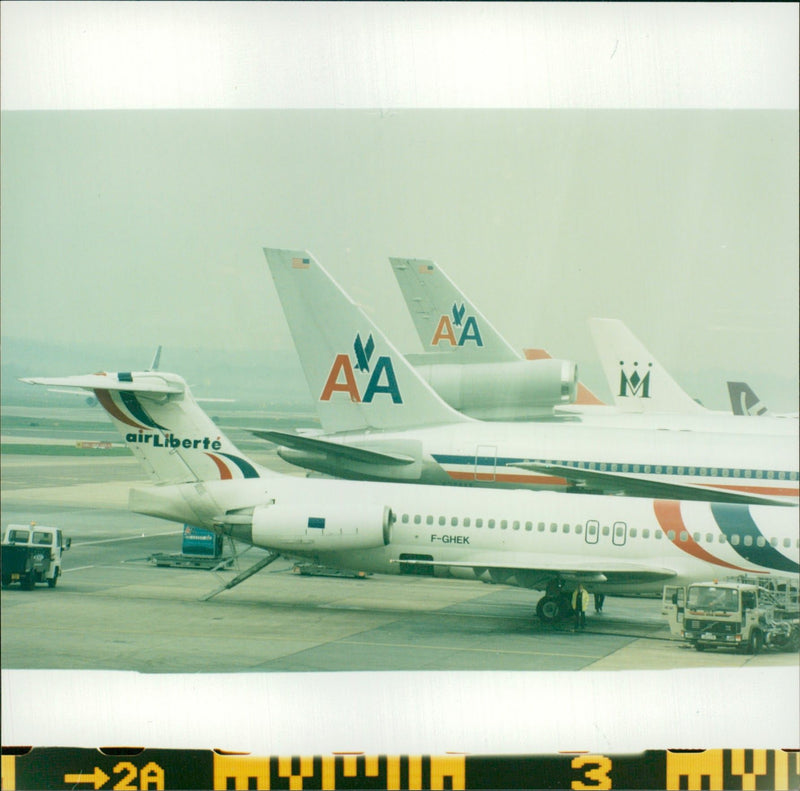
x=146, y=226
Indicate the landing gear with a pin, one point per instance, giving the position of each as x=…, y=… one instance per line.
x=552, y=609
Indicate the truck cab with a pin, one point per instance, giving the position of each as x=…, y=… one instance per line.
x=748, y=614
x=32, y=554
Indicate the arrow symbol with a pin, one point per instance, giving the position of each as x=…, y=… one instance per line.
x=98, y=778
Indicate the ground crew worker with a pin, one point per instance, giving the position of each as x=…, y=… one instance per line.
x=580, y=601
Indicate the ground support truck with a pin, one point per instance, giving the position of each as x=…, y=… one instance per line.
x=744, y=613
x=32, y=553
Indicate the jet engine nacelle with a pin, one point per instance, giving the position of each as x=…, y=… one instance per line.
x=324, y=528
x=504, y=391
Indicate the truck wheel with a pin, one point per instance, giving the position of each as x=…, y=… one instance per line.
x=756, y=642
x=28, y=581
x=51, y=583
x=699, y=647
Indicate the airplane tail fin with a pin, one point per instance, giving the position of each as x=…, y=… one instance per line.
x=637, y=380
x=445, y=319
x=357, y=378
x=161, y=423
x=744, y=401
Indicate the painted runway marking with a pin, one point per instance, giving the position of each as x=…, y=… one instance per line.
x=77, y=568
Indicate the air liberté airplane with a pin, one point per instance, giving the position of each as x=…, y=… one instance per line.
x=641, y=385
x=383, y=422
x=530, y=539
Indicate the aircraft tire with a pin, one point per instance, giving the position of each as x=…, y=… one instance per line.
x=549, y=609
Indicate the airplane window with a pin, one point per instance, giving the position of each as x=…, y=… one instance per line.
x=725, y=472
x=603, y=466
x=529, y=525
x=404, y=519
x=540, y=527
x=442, y=520
x=760, y=541
x=770, y=474
x=647, y=468
x=722, y=538
x=657, y=534
x=618, y=531
x=696, y=536
x=626, y=468
x=454, y=521
x=491, y=523
x=578, y=529
x=646, y=533
x=417, y=519
x=605, y=530
x=632, y=532
x=566, y=528
x=671, y=535
x=748, y=541
x=613, y=468
x=516, y=525
x=680, y=470
x=429, y=519
x=735, y=540
x=467, y=521
x=709, y=538
x=669, y=470
x=658, y=468
x=759, y=473
x=479, y=522
x=591, y=529
x=503, y=524
x=691, y=470
x=782, y=476
x=703, y=471
x=773, y=542
x=553, y=527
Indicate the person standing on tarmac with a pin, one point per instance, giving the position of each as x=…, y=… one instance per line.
x=580, y=601
x=599, y=598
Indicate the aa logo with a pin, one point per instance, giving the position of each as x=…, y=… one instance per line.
x=342, y=376
x=457, y=331
x=634, y=385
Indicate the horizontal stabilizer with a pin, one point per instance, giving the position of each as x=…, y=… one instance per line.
x=316, y=445
x=145, y=382
x=632, y=485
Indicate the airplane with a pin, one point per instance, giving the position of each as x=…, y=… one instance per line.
x=381, y=421
x=538, y=540
x=467, y=361
x=745, y=402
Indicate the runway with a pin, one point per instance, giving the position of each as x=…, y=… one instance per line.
x=114, y=610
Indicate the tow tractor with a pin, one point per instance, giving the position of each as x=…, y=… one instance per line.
x=32, y=553
x=745, y=613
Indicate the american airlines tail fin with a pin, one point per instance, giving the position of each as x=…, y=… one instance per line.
x=585, y=396
x=445, y=320
x=637, y=380
x=161, y=423
x=744, y=401
x=358, y=380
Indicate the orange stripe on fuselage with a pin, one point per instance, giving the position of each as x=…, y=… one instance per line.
x=668, y=514
x=224, y=472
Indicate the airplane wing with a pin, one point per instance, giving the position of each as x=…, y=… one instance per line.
x=634, y=486
x=317, y=445
x=586, y=570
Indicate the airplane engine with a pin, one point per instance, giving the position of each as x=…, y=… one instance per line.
x=324, y=528
x=504, y=391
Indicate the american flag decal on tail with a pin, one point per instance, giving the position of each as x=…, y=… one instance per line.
x=300, y=263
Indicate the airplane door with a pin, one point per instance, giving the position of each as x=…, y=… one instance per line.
x=485, y=462
x=592, y=532
x=619, y=533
